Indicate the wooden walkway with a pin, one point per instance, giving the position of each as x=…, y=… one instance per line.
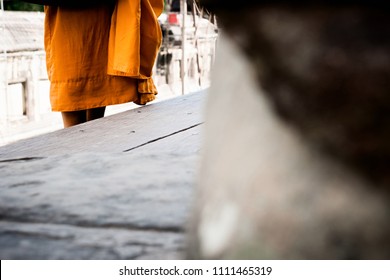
x=115, y=188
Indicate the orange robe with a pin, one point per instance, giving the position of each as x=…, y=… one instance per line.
x=102, y=55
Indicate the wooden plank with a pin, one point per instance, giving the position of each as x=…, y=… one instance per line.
x=115, y=133
x=52, y=206
x=52, y=241
x=127, y=202
x=145, y=188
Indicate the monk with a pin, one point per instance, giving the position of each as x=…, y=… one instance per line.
x=100, y=53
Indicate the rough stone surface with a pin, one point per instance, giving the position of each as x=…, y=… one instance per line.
x=126, y=202
x=325, y=68
x=266, y=192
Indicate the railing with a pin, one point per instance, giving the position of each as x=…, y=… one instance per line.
x=25, y=87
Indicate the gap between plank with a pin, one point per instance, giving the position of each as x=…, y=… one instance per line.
x=162, y=137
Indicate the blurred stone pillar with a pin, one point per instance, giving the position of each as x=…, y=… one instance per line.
x=296, y=151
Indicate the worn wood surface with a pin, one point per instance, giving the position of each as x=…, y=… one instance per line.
x=116, y=133
x=115, y=188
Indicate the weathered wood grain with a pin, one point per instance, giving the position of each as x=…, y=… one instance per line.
x=114, y=133
x=51, y=241
x=127, y=199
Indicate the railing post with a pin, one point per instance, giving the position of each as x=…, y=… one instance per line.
x=183, y=67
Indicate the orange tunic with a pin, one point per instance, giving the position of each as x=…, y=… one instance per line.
x=83, y=49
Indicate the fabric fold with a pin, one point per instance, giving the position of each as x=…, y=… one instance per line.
x=134, y=42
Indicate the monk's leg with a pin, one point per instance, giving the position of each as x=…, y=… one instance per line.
x=72, y=118
x=95, y=113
